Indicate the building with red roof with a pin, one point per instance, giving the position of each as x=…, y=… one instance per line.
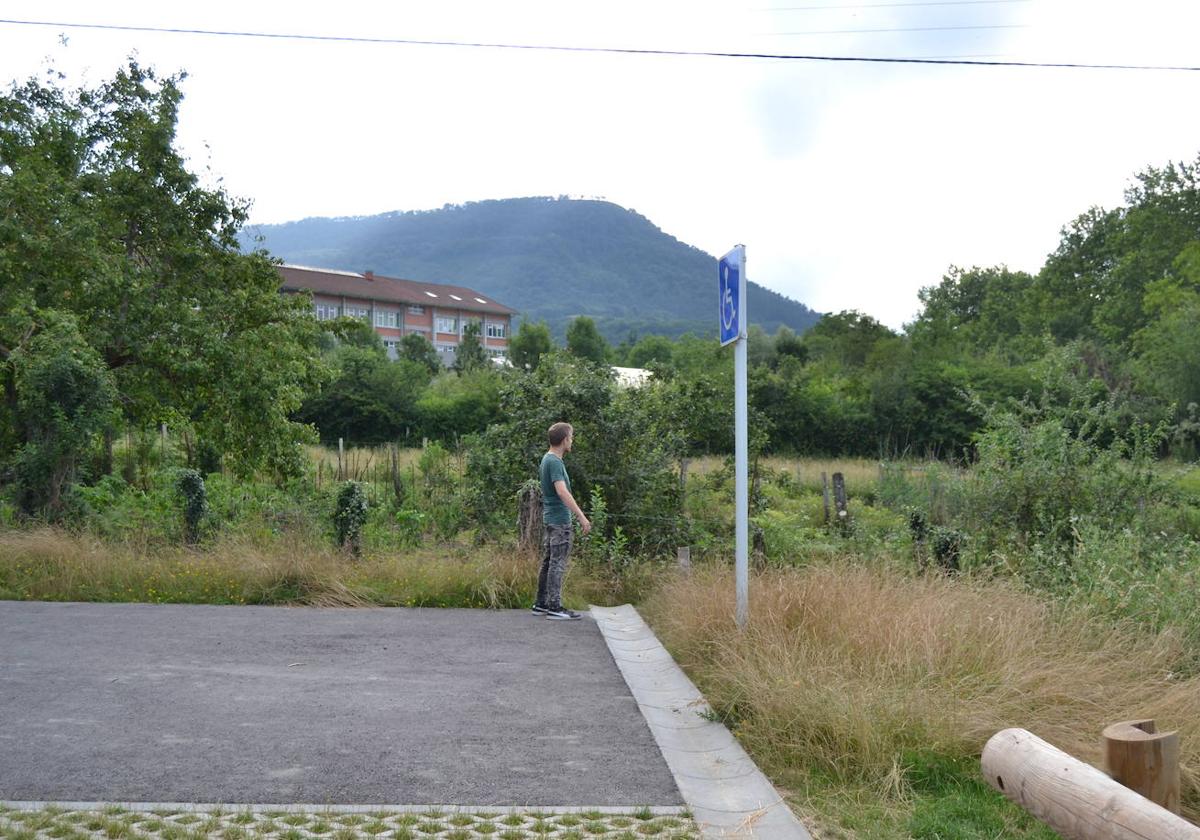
x=396, y=308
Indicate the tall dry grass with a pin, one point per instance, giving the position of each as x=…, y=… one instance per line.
x=861, y=474
x=845, y=670
x=52, y=564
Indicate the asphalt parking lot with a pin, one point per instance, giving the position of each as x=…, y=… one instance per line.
x=184, y=703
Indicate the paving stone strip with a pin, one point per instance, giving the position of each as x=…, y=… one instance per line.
x=339, y=823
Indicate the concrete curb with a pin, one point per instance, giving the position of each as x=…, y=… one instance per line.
x=729, y=797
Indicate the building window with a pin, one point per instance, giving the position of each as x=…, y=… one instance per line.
x=495, y=330
x=445, y=325
x=361, y=312
x=391, y=347
x=385, y=318
x=416, y=310
x=326, y=311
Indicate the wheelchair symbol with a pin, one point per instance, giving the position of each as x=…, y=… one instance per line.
x=728, y=312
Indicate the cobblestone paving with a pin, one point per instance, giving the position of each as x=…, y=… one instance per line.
x=115, y=823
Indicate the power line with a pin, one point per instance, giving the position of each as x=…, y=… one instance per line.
x=902, y=29
x=607, y=50
x=887, y=5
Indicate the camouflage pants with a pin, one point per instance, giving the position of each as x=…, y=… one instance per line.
x=556, y=550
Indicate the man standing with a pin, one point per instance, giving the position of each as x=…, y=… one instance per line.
x=557, y=507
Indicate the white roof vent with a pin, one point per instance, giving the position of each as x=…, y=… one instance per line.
x=431, y=294
x=481, y=300
x=456, y=297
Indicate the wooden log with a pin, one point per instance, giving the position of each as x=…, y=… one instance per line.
x=1075, y=799
x=1143, y=759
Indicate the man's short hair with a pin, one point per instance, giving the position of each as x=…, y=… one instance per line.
x=559, y=432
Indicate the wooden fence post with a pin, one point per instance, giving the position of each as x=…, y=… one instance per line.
x=825, y=495
x=1075, y=799
x=683, y=555
x=529, y=519
x=1145, y=760
x=839, y=500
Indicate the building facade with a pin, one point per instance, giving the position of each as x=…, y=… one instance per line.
x=396, y=308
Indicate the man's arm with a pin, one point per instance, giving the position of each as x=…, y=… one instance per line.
x=560, y=487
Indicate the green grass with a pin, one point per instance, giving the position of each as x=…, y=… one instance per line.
x=952, y=800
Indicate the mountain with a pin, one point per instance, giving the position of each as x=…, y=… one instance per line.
x=551, y=258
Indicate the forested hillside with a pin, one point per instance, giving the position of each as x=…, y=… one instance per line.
x=550, y=258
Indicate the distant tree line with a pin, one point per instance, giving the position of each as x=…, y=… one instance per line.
x=126, y=302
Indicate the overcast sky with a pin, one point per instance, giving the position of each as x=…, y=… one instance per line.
x=852, y=185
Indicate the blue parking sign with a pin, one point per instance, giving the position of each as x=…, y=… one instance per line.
x=732, y=295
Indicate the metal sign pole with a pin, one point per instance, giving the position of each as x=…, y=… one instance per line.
x=741, y=489
x=733, y=329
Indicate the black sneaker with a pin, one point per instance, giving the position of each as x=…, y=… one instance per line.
x=562, y=614
x=538, y=609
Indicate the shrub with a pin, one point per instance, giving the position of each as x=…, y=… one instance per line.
x=195, y=506
x=350, y=516
x=1041, y=472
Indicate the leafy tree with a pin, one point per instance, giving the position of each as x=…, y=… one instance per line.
x=454, y=406
x=585, y=342
x=355, y=332
x=787, y=343
x=846, y=339
x=979, y=310
x=417, y=348
x=470, y=354
x=760, y=348
x=813, y=411
x=370, y=400
x=531, y=342
x=102, y=219
x=1094, y=284
x=622, y=450
x=650, y=349
x=1169, y=345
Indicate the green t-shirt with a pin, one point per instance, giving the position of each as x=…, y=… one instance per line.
x=552, y=469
